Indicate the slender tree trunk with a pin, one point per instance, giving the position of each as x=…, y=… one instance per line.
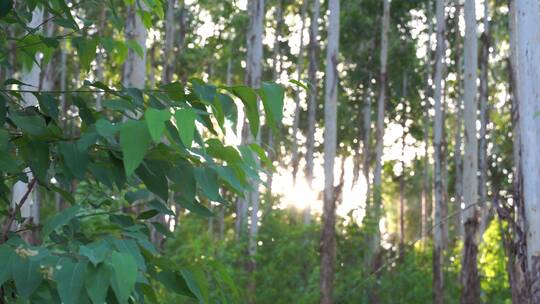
x=470, y=280
x=253, y=79
x=168, y=67
x=367, y=141
x=458, y=157
x=484, y=120
x=100, y=57
x=528, y=91
x=438, y=232
x=312, y=102
x=426, y=189
x=402, y=176
x=377, y=175
x=295, y=158
x=134, y=74
x=328, y=236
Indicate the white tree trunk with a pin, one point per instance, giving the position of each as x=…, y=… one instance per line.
x=528, y=74
x=134, y=75
x=438, y=232
x=366, y=116
x=426, y=193
x=295, y=158
x=328, y=238
x=469, y=272
x=253, y=79
x=100, y=58
x=31, y=77
x=312, y=102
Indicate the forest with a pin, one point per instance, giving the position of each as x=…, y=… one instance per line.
x=270, y=151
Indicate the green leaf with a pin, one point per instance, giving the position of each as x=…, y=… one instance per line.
x=272, y=99
x=59, y=220
x=196, y=208
x=5, y=7
x=48, y=104
x=32, y=124
x=26, y=275
x=185, y=122
x=155, y=120
x=174, y=90
x=300, y=84
x=75, y=159
x=124, y=275
x=148, y=214
x=105, y=128
x=174, y=282
x=195, y=282
x=154, y=180
x=208, y=181
x=249, y=99
x=36, y=154
x=69, y=278
x=134, y=140
x=97, y=283
x=86, y=49
x=132, y=44
x=96, y=252
x=157, y=205
x=5, y=258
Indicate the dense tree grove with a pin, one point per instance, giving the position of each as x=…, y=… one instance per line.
x=269, y=151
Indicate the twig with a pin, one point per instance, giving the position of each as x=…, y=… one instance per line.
x=17, y=209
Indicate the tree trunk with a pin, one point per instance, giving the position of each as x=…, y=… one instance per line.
x=328, y=236
x=426, y=189
x=377, y=175
x=134, y=74
x=253, y=79
x=470, y=280
x=367, y=140
x=295, y=158
x=100, y=57
x=402, y=176
x=168, y=66
x=31, y=76
x=484, y=114
x=516, y=243
x=528, y=76
x=438, y=232
x=312, y=102
x=458, y=139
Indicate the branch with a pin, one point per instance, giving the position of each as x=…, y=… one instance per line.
x=14, y=212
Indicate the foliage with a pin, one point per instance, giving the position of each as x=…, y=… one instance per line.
x=135, y=161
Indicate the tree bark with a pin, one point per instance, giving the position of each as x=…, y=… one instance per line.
x=312, y=102
x=295, y=158
x=458, y=139
x=367, y=140
x=168, y=66
x=253, y=79
x=484, y=115
x=438, y=232
x=328, y=237
x=470, y=280
x=134, y=74
x=100, y=57
x=31, y=76
x=377, y=175
x=426, y=189
x=528, y=76
x=516, y=242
